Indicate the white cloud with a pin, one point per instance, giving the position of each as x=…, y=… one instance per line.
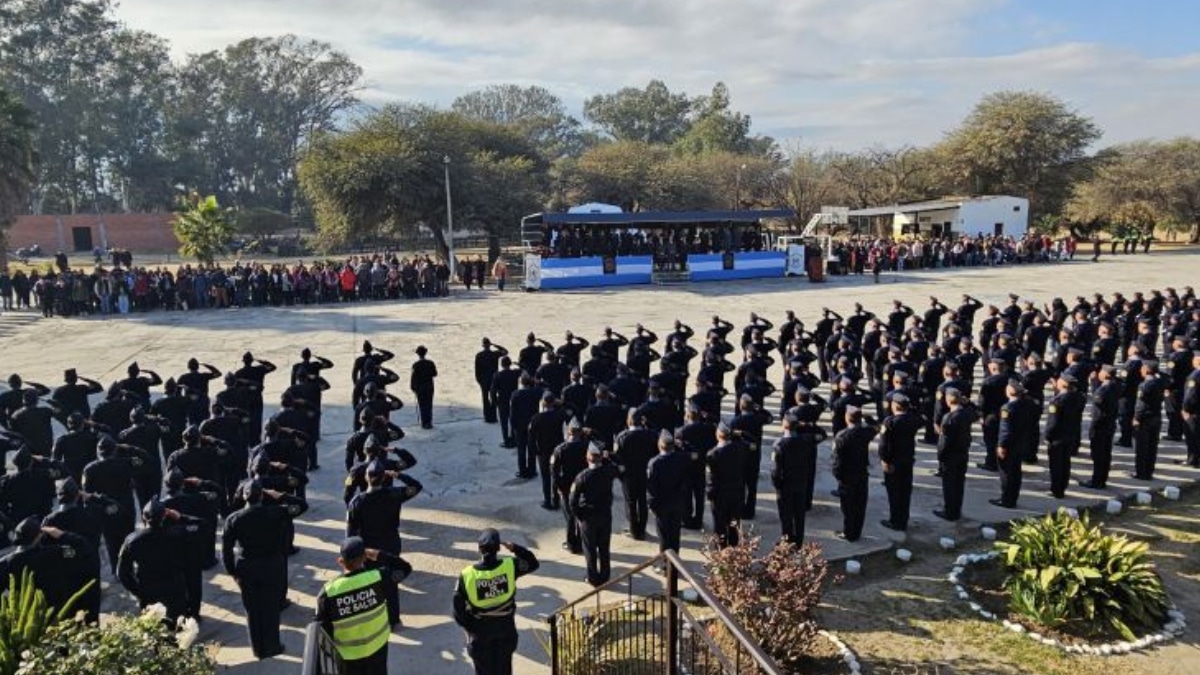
x=843, y=73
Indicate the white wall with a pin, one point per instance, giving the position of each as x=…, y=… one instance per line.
x=981, y=216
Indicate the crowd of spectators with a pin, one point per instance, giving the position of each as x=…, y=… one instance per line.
x=121, y=290
x=674, y=244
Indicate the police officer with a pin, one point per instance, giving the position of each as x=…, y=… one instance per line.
x=424, y=371
x=254, y=550
x=590, y=502
x=668, y=490
x=351, y=609
x=991, y=401
x=850, y=464
x=485, y=603
x=897, y=454
x=145, y=434
x=173, y=410
x=726, y=487
x=793, y=464
x=374, y=516
x=1105, y=401
x=254, y=372
x=634, y=448
x=487, y=362
x=523, y=406
x=953, y=454
x=76, y=448
x=1016, y=439
x=1064, y=430
x=33, y=423
x=697, y=436
x=1147, y=420
x=83, y=514
x=113, y=475
x=195, y=382
x=1190, y=412
x=29, y=491
x=149, y=567
x=566, y=463
x=503, y=385
x=59, y=560
x=750, y=422
x=72, y=396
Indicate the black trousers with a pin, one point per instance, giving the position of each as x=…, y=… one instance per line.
x=1145, y=448
x=116, y=528
x=694, y=518
x=954, y=484
x=193, y=571
x=543, y=462
x=1191, y=436
x=524, y=461
x=669, y=525
x=1010, y=479
x=492, y=655
x=505, y=433
x=573, y=538
x=991, y=435
x=753, y=467
x=489, y=408
x=425, y=406
x=1059, y=454
x=596, y=533
x=636, y=512
x=854, y=507
x=899, y=484
x=725, y=510
x=1125, y=421
x=792, y=514
x=375, y=664
x=1174, y=419
x=264, y=587
x=1100, y=437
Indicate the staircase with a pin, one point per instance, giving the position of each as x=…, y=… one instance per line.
x=670, y=277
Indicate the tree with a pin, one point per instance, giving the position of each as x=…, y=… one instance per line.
x=386, y=175
x=652, y=115
x=1024, y=143
x=718, y=129
x=17, y=164
x=534, y=112
x=1143, y=185
x=203, y=229
x=262, y=222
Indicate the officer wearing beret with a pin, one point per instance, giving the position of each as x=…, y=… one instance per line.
x=485, y=602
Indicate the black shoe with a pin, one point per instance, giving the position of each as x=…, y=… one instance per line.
x=315, y=467
x=692, y=525
x=1089, y=485
x=548, y=506
x=835, y=492
x=1031, y=461
x=285, y=604
x=889, y=525
x=1056, y=495
x=937, y=474
x=985, y=467
x=271, y=655
x=1175, y=439
x=294, y=550
x=943, y=515
x=1001, y=504
x=840, y=535
x=1134, y=476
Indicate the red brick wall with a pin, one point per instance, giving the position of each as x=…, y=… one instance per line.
x=136, y=232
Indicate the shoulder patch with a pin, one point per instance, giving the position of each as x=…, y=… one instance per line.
x=1053, y=408
x=1004, y=413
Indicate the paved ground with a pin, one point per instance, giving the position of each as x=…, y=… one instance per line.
x=469, y=478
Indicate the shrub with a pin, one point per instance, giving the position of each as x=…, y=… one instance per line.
x=1064, y=572
x=774, y=596
x=131, y=645
x=25, y=617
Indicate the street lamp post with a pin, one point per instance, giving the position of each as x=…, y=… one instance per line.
x=737, y=196
x=449, y=216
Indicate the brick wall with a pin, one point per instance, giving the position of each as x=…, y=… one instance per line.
x=137, y=232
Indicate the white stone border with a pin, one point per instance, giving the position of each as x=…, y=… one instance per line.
x=844, y=651
x=1174, y=627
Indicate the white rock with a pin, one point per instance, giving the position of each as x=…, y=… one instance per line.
x=690, y=595
x=1144, y=498
x=1121, y=648
x=1049, y=642
x=1036, y=636
x=988, y=533
x=848, y=657
x=1072, y=512
x=963, y=595
x=1114, y=506
x=987, y=615
x=1175, y=614
x=957, y=569
x=1171, y=492
x=853, y=567
x=1018, y=628
x=975, y=607
x=947, y=543
x=1007, y=624
x=903, y=554
x=961, y=560
x=1106, y=650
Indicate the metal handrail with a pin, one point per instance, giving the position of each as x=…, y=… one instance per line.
x=320, y=657
x=609, y=585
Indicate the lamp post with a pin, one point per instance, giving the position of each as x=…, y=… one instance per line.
x=449, y=217
x=737, y=195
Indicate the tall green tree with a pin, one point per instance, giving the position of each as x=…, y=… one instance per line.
x=1024, y=143
x=203, y=228
x=386, y=175
x=654, y=115
x=718, y=128
x=534, y=112
x=17, y=164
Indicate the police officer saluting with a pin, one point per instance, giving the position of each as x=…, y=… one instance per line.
x=353, y=609
x=485, y=603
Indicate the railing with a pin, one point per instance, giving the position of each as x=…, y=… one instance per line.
x=640, y=623
x=320, y=657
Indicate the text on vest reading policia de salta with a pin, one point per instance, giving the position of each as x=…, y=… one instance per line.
x=488, y=589
x=348, y=605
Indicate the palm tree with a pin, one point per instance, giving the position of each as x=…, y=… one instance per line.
x=17, y=159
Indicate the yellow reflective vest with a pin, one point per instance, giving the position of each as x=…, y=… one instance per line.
x=358, y=614
x=491, y=589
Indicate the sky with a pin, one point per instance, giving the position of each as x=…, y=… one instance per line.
x=827, y=74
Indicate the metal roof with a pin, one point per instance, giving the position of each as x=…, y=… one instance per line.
x=657, y=217
x=919, y=207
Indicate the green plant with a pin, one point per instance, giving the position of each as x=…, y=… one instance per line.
x=203, y=228
x=131, y=645
x=773, y=596
x=25, y=618
x=1064, y=572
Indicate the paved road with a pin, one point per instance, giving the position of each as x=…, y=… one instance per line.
x=469, y=478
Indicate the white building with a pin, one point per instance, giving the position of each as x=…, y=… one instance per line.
x=970, y=216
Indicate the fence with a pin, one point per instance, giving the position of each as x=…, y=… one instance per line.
x=641, y=623
x=320, y=657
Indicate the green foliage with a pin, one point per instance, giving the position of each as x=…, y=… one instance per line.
x=132, y=645
x=262, y=222
x=17, y=157
x=1063, y=572
x=203, y=229
x=26, y=618
x=774, y=596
